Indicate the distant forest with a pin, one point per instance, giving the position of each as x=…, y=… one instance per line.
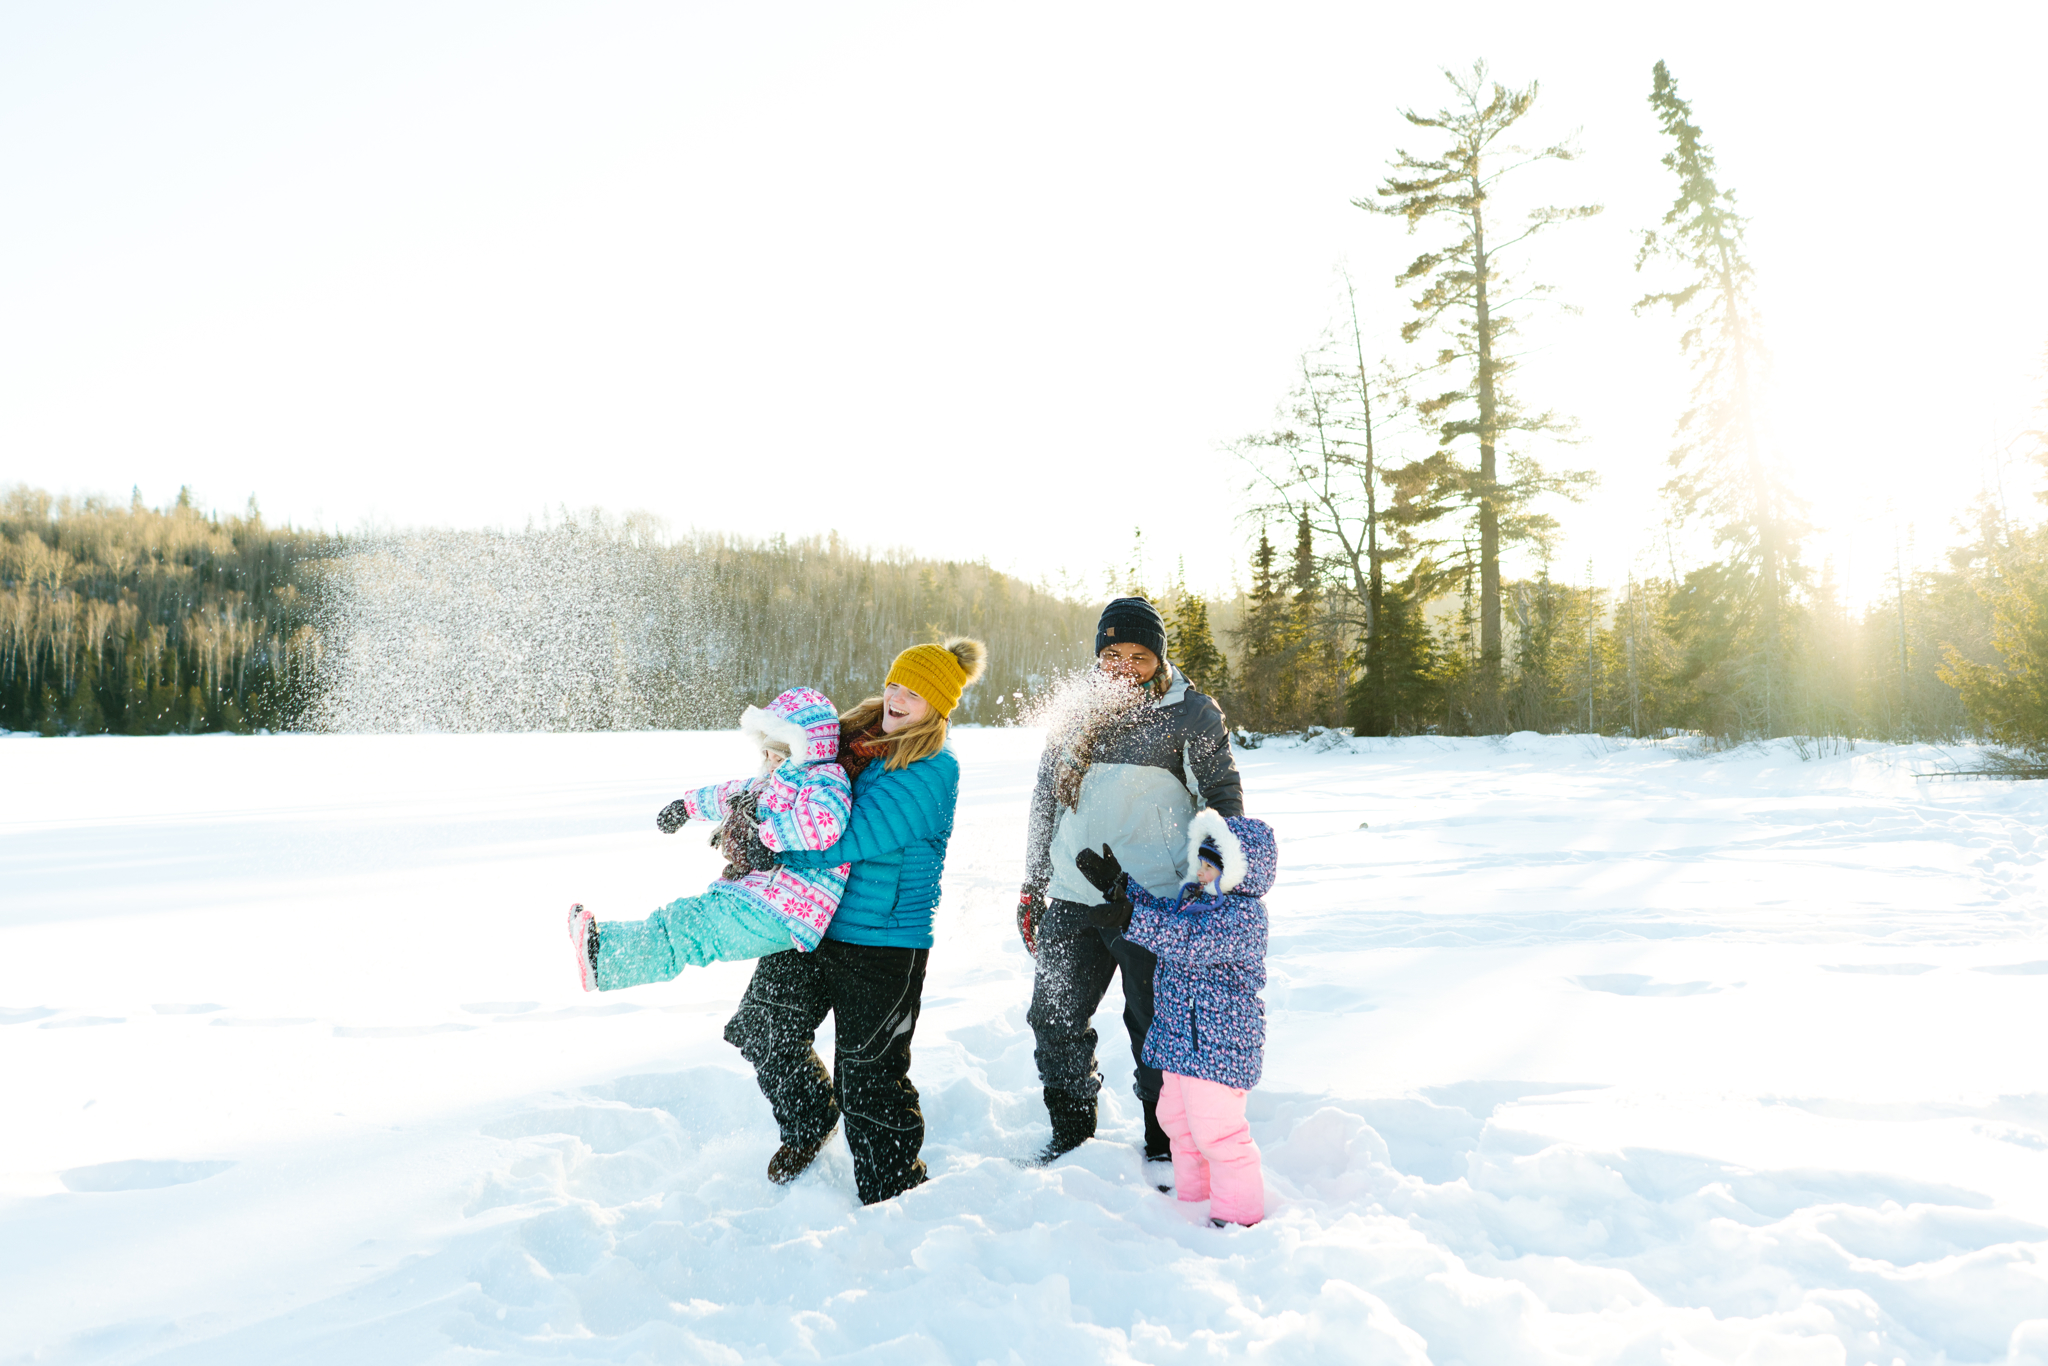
x=133, y=620
x=143, y=621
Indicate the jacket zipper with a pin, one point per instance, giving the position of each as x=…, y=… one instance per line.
x=1194, y=1034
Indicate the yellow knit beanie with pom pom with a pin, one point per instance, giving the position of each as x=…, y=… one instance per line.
x=940, y=673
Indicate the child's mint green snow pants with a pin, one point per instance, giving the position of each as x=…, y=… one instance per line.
x=717, y=927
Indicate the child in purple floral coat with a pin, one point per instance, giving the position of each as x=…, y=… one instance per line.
x=1208, y=1030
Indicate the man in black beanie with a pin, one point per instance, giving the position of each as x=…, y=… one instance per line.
x=1129, y=773
x=1131, y=621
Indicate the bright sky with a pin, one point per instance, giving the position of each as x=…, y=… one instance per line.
x=980, y=281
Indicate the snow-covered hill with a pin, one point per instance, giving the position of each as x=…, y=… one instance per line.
x=1580, y=1051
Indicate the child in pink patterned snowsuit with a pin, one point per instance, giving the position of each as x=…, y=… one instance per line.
x=1208, y=1031
x=800, y=800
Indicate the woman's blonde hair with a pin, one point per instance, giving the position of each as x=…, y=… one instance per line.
x=919, y=740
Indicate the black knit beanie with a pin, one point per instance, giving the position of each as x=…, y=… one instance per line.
x=1131, y=621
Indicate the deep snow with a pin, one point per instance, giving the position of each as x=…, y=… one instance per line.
x=1579, y=1051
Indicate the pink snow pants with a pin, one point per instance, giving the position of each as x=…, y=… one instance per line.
x=1214, y=1157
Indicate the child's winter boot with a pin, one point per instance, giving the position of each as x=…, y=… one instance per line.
x=583, y=939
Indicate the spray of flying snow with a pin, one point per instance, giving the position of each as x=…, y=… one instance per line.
x=577, y=627
x=1073, y=700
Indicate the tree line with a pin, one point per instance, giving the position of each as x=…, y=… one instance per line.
x=141, y=621
x=126, y=619
x=1389, y=612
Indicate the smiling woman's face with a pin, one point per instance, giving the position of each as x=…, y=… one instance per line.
x=901, y=707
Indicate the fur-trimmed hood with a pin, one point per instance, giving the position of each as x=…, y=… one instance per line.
x=802, y=719
x=1251, y=856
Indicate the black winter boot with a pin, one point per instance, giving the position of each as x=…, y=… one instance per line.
x=1158, y=1147
x=791, y=1160
x=1073, y=1123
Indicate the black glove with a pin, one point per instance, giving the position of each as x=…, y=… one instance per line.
x=671, y=817
x=1108, y=876
x=1102, y=870
x=1030, y=911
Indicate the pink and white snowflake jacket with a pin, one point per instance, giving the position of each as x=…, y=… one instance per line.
x=803, y=804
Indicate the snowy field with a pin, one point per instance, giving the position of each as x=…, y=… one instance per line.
x=1582, y=1052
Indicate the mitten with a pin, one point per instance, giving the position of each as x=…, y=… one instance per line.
x=671, y=817
x=1102, y=870
x=1107, y=875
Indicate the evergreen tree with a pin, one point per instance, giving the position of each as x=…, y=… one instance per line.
x=1264, y=630
x=2008, y=699
x=1312, y=670
x=1193, y=647
x=1301, y=575
x=1395, y=691
x=1262, y=640
x=1720, y=473
x=1464, y=301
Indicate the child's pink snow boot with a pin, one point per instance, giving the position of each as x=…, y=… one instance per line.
x=583, y=939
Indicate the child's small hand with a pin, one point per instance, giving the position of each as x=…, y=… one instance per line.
x=1108, y=877
x=672, y=817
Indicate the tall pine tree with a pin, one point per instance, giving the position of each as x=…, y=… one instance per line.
x=1720, y=470
x=1464, y=301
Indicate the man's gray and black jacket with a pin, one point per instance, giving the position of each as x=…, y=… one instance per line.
x=1153, y=770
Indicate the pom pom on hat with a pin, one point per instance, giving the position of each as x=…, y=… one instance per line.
x=940, y=673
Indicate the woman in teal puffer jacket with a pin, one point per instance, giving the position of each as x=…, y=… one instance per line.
x=869, y=970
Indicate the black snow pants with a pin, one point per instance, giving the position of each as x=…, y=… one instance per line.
x=1075, y=964
x=875, y=994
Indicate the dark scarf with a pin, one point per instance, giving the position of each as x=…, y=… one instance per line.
x=856, y=752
